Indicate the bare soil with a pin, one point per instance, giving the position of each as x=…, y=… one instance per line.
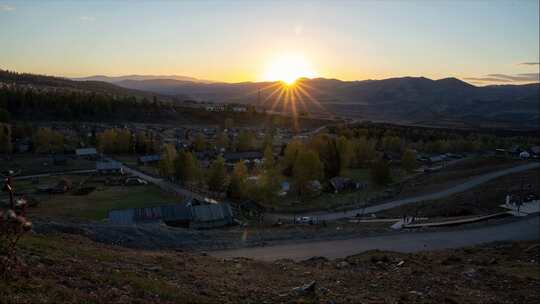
x=72, y=269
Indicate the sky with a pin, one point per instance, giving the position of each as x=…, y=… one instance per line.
x=481, y=42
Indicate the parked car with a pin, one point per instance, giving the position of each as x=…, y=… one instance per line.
x=304, y=220
x=135, y=181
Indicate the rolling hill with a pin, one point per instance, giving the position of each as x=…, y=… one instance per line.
x=447, y=102
x=415, y=100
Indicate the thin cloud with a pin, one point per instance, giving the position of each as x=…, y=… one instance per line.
x=530, y=63
x=87, y=18
x=505, y=78
x=6, y=7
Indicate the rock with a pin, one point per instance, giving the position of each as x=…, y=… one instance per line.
x=154, y=268
x=418, y=293
x=471, y=273
x=305, y=289
x=400, y=263
x=532, y=247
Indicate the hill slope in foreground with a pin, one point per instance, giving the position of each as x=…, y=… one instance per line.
x=66, y=268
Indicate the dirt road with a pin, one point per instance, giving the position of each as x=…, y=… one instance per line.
x=527, y=228
x=473, y=182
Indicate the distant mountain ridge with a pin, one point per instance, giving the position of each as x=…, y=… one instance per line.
x=412, y=100
x=61, y=83
x=115, y=79
x=400, y=99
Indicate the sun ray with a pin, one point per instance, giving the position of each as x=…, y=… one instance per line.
x=310, y=97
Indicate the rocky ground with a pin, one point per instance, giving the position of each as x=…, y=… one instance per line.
x=66, y=268
x=160, y=236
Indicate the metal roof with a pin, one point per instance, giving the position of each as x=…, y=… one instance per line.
x=149, y=158
x=108, y=165
x=177, y=212
x=236, y=156
x=86, y=151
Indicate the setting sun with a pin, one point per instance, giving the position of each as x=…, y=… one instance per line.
x=288, y=68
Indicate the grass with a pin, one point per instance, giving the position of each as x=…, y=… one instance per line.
x=30, y=164
x=96, y=205
x=357, y=174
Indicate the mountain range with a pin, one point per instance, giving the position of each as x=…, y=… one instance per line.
x=415, y=100
x=447, y=102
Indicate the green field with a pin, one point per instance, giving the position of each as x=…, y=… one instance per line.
x=30, y=164
x=94, y=206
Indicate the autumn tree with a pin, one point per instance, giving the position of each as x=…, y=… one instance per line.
x=238, y=181
x=363, y=151
x=380, y=172
x=222, y=141
x=217, y=175
x=142, y=143
x=408, y=160
x=47, y=141
x=229, y=123
x=107, y=141
x=187, y=168
x=346, y=153
x=291, y=152
x=268, y=158
x=167, y=162
x=199, y=143
x=245, y=141
x=268, y=185
x=328, y=151
x=123, y=141
x=307, y=167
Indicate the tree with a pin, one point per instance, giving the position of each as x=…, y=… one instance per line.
x=199, y=143
x=268, y=158
x=307, y=167
x=291, y=152
x=4, y=116
x=142, y=143
x=187, y=168
x=391, y=143
x=123, y=141
x=107, y=141
x=229, y=123
x=408, y=160
x=380, y=172
x=222, y=141
x=269, y=185
x=238, y=181
x=245, y=141
x=167, y=162
x=329, y=154
x=47, y=141
x=217, y=175
x=268, y=140
x=363, y=151
x=5, y=138
x=346, y=153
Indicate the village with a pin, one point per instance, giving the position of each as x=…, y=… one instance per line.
x=222, y=176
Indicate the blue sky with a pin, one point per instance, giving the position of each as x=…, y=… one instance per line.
x=478, y=41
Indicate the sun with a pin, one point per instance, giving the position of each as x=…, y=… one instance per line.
x=288, y=68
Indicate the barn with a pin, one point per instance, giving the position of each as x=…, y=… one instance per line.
x=193, y=214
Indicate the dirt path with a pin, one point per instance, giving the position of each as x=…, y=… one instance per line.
x=523, y=229
x=473, y=182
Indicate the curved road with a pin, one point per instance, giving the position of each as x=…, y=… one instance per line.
x=475, y=181
x=527, y=228
x=160, y=182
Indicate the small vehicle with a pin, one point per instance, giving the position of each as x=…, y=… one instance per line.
x=134, y=181
x=304, y=220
